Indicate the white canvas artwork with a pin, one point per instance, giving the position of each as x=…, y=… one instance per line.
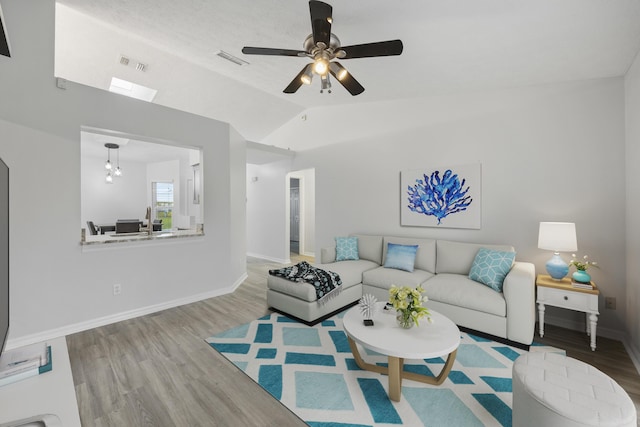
x=445, y=197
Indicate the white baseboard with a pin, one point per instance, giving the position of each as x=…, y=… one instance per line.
x=580, y=326
x=118, y=317
x=268, y=258
x=633, y=352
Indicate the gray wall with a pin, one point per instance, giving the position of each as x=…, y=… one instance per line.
x=56, y=286
x=548, y=153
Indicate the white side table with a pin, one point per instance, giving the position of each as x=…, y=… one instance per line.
x=560, y=293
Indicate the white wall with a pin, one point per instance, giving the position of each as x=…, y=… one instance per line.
x=632, y=92
x=548, y=153
x=267, y=204
x=236, y=186
x=56, y=286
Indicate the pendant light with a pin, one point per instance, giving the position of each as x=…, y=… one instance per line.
x=108, y=166
x=118, y=171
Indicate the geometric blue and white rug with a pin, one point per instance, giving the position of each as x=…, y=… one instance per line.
x=311, y=371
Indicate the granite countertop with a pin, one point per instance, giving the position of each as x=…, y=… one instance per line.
x=110, y=238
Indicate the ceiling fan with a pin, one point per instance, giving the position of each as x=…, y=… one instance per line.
x=324, y=47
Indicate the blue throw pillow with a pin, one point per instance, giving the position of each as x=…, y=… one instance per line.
x=490, y=267
x=401, y=257
x=346, y=248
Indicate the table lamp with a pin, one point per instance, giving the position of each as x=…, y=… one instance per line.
x=557, y=237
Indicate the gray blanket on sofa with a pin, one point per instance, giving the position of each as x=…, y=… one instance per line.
x=326, y=283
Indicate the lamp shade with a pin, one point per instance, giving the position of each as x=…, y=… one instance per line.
x=557, y=236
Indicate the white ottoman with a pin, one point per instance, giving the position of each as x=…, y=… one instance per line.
x=550, y=389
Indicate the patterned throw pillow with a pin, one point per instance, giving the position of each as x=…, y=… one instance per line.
x=346, y=248
x=400, y=257
x=490, y=267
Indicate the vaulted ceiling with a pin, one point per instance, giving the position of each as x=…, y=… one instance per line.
x=449, y=47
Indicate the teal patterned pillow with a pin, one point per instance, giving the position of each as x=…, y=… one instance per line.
x=400, y=257
x=346, y=248
x=490, y=267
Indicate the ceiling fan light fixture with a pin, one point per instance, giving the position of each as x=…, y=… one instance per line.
x=321, y=66
x=326, y=84
x=323, y=47
x=307, y=76
x=338, y=71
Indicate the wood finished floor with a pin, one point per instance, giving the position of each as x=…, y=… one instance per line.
x=157, y=370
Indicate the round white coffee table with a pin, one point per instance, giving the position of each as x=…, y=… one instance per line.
x=429, y=340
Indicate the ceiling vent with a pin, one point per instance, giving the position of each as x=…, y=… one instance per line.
x=124, y=60
x=229, y=57
x=141, y=67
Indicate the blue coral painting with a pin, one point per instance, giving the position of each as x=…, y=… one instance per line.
x=441, y=197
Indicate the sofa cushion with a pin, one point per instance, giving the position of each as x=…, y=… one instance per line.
x=490, y=267
x=385, y=277
x=459, y=290
x=350, y=272
x=346, y=248
x=425, y=256
x=401, y=257
x=370, y=247
x=457, y=257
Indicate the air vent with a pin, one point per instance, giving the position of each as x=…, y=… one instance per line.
x=229, y=57
x=124, y=60
x=141, y=67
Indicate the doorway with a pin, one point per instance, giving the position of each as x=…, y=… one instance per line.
x=294, y=215
x=300, y=212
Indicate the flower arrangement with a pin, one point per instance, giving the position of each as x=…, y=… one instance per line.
x=582, y=265
x=408, y=305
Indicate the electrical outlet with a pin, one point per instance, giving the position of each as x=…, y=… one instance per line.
x=117, y=289
x=610, y=303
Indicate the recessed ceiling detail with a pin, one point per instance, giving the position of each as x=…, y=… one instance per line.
x=132, y=90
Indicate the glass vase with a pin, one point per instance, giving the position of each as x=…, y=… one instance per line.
x=404, y=319
x=581, y=276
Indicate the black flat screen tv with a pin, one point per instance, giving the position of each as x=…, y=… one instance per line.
x=4, y=254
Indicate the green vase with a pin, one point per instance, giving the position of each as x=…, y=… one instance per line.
x=405, y=321
x=581, y=276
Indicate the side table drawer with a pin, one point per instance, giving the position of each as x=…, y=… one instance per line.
x=559, y=298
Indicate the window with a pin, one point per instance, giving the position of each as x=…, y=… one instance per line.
x=162, y=203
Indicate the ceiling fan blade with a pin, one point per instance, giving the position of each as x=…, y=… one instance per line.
x=272, y=51
x=320, y=21
x=368, y=50
x=297, y=81
x=345, y=78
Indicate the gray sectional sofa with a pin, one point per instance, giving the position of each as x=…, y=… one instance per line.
x=441, y=267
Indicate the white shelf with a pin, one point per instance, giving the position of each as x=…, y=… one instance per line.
x=49, y=393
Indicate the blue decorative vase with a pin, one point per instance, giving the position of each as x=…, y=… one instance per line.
x=581, y=276
x=556, y=267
